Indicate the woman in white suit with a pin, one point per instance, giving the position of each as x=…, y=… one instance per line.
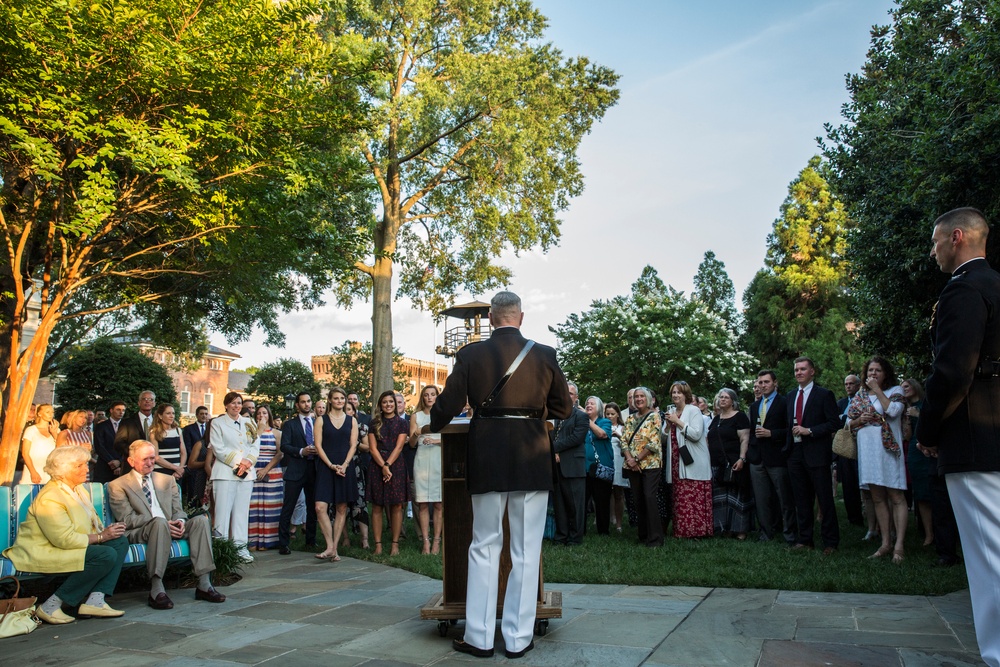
x=235, y=445
x=690, y=466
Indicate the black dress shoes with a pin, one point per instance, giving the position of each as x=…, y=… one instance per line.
x=284, y=550
x=161, y=602
x=514, y=655
x=460, y=646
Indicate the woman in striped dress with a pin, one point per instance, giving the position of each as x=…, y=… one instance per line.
x=165, y=434
x=76, y=432
x=269, y=487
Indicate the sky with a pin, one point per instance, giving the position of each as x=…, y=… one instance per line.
x=721, y=105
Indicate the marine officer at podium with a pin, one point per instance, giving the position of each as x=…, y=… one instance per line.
x=513, y=386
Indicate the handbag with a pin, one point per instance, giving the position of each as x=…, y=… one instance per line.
x=845, y=444
x=725, y=475
x=602, y=472
x=685, y=455
x=18, y=613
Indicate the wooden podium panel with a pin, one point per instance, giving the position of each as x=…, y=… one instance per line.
x=457, y=533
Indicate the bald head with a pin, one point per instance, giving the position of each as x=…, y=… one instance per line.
x=959, y=235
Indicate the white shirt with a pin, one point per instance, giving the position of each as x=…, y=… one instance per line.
x=806, y=390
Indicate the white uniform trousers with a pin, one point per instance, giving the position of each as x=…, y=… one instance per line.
x=975, y=497
x=526, y=513
x=232, y=508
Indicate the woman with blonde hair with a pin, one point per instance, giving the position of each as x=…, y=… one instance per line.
x=427, y=469
x=75, y=431
x=268, y=486
x=37, y=443
x=165, y=434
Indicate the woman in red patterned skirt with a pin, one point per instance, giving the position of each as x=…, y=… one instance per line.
x=690, y=465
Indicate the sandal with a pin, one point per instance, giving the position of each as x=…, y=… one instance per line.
x=395, y=549
x=426, y=549
x=378, y=548
x=897, y=556
x=437, y=546
x=323, y=555
x=335, y=559
x=882, y=551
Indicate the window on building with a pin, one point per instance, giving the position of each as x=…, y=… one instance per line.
x=209, y=402
x=413, y=387
x=185, y=402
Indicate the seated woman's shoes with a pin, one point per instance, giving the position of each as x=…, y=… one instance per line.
x=460, y=646
x=104, y=611
x=55, y=618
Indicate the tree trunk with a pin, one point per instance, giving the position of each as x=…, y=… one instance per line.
x=381, y=329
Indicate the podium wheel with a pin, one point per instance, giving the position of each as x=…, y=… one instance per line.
x=443, y=628
x=541, y=627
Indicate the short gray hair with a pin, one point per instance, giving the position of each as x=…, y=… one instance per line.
x=731, y=394
x=600, y=405
x=63, y=459
x=137, y=444
x=647, y=393
x=505, y=306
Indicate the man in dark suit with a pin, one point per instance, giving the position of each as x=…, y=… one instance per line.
x=195, y=478
x=812, y=418
x=847, y=469
x=768, y=459
x=149, y=504
x=299, y=461
x=568, y=501
x=509, y=467
x=135, y=427
x=109, y=461
x=960, y=419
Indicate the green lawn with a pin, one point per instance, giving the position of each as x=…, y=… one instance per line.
x=723, y=562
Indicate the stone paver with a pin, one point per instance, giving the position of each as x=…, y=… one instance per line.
x=291, y=611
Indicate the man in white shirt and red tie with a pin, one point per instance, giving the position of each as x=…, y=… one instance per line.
x=813, y=418
x=149, y=504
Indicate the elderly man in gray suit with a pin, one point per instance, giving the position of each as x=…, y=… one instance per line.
x=149, y=504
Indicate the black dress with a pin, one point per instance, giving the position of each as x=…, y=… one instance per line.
x=732, y=505
x=331, y=488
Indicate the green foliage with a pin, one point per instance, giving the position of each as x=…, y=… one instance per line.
x=105, y=371
x=798, y=304
x=921, y=136
x=652, y=337
x=473, y=146
x=351, y=368
x=714, y=288
x=228, y=561
x=285, y=376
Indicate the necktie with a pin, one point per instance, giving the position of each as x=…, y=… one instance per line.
x=114, y=425
x=798, y=406
x=201, y=430
x=763, y=410
x=145, y=489
x=145, y=427
x=307, y=423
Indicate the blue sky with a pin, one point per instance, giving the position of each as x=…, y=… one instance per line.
x=721, y=104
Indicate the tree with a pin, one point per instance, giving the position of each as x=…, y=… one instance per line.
x=105, y=371
x=653, y=336
x=921, y=136
x=173, y=162
x=798, y=303
x=714, y=289
x=285, y=376
x=351, y=368
x=474, y=149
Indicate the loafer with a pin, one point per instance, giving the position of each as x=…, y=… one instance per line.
x=104, y=611
x=514, y=655
x=58, y=617
x=284, y=551
x=209, y=596
x=460, y=646
x=161, y=602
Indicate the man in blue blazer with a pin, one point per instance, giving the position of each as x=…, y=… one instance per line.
x=812, y=419
x=768, y=458
x=299, y=461
x=960, y=419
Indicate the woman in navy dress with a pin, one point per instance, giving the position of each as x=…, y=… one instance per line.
x=336, y=435
x=387, y=482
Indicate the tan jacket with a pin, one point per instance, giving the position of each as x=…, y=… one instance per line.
x=53, y=538
x=128, y=501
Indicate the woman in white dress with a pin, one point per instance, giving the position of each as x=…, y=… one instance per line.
x=875, y=415
x=37, y=443
x=236, y=445
x=427, y=469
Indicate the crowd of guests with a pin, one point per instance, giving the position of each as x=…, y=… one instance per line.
x=692, y=468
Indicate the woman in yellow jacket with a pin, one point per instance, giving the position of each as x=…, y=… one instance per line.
x=64, y=534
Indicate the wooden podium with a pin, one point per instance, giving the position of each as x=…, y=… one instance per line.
x=448, y=606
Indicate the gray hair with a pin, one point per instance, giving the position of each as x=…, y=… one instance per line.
x=600, y=405
x=505, y=306
x=731, y=394
x=647, y=393
x=147, y=391
x=63, y=459
x=138, y=444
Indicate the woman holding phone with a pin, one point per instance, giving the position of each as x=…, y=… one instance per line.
x=236, y=446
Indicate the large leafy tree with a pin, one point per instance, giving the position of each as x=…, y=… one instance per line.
x=474, y=149
x=351, y=367
x=714, y=288
x=798, y=303
x=285, y=376
x=653, y=336
x=94, y=375
x=176, y=159
x=921, y=136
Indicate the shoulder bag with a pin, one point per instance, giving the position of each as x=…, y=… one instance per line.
x=18, y=614
x=845, y=444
